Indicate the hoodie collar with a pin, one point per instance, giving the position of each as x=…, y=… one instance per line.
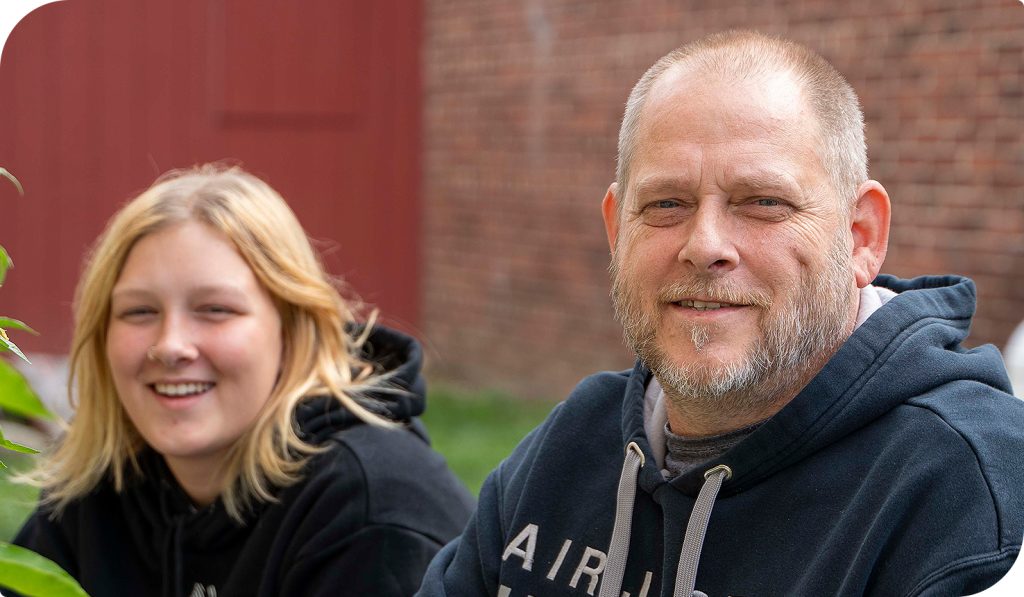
x=401, y=397
x=867, y=377
x=656, y=417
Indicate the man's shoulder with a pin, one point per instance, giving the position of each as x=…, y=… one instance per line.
x=595, y=391
x=583, y=429
x=983, y=416
x=593, y=411
x=596, y=400
x=972, y=435
x=989, y=422
x=592, y=408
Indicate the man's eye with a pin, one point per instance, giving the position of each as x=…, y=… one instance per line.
x=663, y=212
x=770, y=209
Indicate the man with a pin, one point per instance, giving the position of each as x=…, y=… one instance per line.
x=795, y=423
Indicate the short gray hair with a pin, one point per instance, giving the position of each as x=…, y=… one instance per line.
x=843, y=151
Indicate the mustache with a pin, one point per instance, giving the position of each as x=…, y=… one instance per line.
x=719, y=291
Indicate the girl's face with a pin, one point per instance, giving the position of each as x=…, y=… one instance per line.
x=194, y=345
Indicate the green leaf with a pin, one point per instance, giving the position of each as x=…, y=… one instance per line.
x=10, y=323
x=10, y=177
x=17, y=397
x=33, y=575
x=7, y=345
x=15, y=447
x=5, y=264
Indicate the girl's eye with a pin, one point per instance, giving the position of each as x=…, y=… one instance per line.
x=218, y=310
x=136, y=312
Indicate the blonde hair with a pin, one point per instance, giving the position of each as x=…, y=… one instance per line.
x=319, y=356
x=843, y=151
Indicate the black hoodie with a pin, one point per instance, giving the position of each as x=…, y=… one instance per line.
x=896, y=472
x=367, y=517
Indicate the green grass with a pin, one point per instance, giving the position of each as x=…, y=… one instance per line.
x=475, y=432
x=16, y=501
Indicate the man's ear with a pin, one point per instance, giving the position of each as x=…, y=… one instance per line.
x=869, y=225
x=610, y=213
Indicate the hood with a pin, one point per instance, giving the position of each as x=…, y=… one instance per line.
x=401, y=396
x=911, y=349
x=910, y=346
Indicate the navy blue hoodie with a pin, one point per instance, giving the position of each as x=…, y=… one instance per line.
x=896, y=471
x=369, y=514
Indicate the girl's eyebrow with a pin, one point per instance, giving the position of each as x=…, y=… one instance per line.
x=130, y=292
x=127, y=292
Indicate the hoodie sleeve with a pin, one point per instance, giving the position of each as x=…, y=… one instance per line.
x=369, y=521
x=470, y=564
x=46, y=537
x=968, y=577
x=377, y=560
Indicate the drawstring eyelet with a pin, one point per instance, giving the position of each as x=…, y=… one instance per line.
x=618, y=546
x=633, y=447
x=721, y=467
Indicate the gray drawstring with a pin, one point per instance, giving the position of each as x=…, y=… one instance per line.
x=618, y=549
x=693, y=541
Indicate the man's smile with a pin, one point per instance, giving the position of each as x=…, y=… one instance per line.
x=700, y=305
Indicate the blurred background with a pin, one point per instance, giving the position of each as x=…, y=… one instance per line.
x=450, y=156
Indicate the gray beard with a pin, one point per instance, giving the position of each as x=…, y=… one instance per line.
x=793, y=346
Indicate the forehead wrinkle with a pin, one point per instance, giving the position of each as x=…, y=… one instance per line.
x=781, y=112
x=658, y=184
x=734, y=175
x=759, y=179
x=678, y=177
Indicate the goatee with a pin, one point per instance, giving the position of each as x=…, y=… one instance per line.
x=794, y=341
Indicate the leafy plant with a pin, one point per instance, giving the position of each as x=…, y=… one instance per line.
x=21, y=569
x=31, y=574
x=15, y=395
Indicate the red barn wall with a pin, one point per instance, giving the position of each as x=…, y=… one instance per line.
x=320, y=97
x=521, y=112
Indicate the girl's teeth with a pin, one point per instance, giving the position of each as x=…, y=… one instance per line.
x=181, y=389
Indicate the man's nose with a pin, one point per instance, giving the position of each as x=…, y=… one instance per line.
x=709, y=245
x=175, y=344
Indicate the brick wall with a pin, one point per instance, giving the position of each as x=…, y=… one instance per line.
x=521, y=109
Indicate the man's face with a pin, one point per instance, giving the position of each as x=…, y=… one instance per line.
x=731, y=269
